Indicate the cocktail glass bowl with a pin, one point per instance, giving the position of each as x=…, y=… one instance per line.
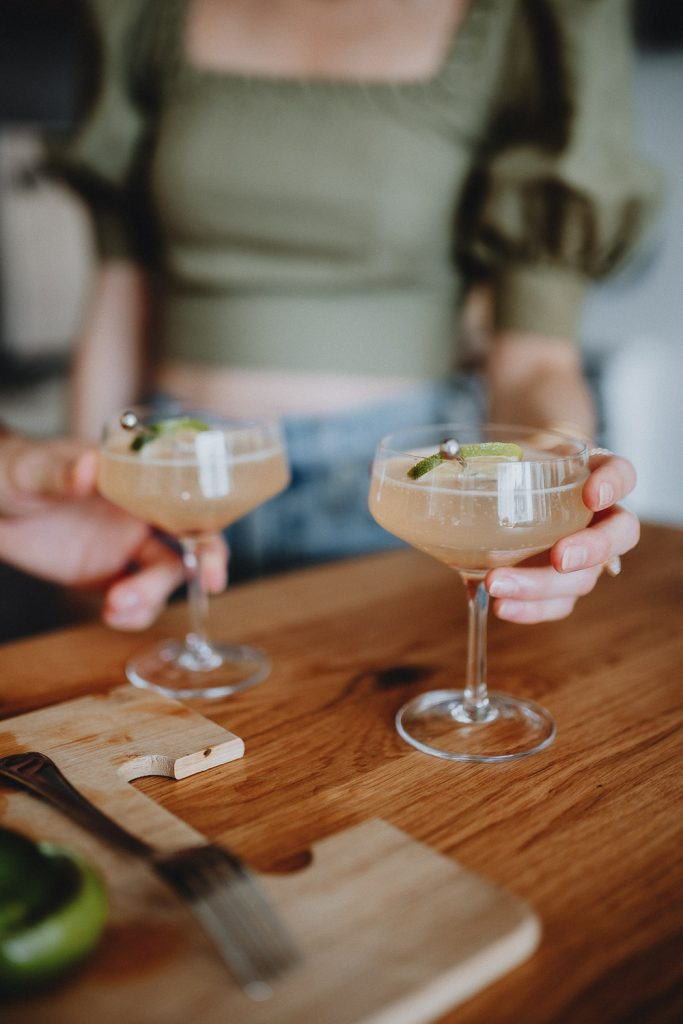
x=489, y=512
x=190, y=473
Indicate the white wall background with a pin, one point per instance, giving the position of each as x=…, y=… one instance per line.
x=635, y=321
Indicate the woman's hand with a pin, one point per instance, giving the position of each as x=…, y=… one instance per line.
x=550, y=591
x=53, y=524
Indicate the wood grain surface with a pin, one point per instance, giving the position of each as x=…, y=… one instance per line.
x=589, y=832
x=389, y=930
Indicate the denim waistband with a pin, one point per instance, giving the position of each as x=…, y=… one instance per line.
x=355, y=432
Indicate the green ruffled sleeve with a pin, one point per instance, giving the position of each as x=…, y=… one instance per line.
x=560, y=197
x=102, y=158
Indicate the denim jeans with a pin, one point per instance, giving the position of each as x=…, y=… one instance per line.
x=323, y=514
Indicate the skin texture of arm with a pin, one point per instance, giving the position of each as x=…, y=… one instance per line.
x=110, y=365
x=539, y=381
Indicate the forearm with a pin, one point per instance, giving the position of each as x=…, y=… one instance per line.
x=538, y=381
x=109, y=367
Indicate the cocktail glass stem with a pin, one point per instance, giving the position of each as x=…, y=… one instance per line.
x=199, y=655
x=476, y=706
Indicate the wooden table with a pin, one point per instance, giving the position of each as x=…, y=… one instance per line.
x=589, y=832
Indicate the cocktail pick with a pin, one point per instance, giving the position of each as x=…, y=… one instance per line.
x=450, y=449
x=129, y=420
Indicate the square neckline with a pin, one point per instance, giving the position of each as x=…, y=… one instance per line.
x=191, y=68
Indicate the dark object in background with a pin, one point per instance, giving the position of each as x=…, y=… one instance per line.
x=40, y=62
x=658, y=24
x=29, y=606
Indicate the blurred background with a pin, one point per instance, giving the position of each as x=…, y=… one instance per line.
x=631, y=332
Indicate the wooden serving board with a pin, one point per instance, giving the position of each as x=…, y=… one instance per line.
x=391, y=932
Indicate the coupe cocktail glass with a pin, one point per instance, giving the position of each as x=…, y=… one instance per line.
x=488, y=513
x=190, y=473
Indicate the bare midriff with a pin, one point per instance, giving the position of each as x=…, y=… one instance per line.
x=241, y=391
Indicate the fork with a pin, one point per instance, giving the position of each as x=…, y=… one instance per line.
x=220, y=890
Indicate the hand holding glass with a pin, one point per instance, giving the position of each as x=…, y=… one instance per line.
x=190, y=475
x=491, y=512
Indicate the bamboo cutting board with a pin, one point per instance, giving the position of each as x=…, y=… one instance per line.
x=390, y=931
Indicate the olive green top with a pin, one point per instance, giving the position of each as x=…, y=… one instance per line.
x=330, y=224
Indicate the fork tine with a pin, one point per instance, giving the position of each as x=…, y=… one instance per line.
x=239, y=917
x=249, y=975
x=228, y=901
x=249, y=892
x=188, y=876
x=256, y=920
x=259, y=924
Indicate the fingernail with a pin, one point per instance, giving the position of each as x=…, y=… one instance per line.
x=504, y=587
x=215, y=562
x=214, y=572
x=131, y=623
x=573, y=558
x=506, y=610
x=127, y=600
x=605, y=495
